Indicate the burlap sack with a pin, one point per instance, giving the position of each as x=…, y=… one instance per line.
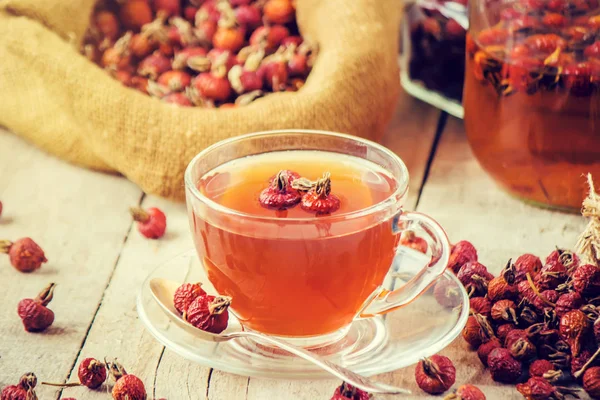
x=56, y=98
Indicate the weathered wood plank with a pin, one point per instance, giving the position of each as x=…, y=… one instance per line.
x=77, y=216
x=117, y=332
x=470, y=206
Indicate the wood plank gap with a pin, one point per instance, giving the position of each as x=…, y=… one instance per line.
x=208, y=382
x=87, y=332
x=434, y=146
x=156, y=372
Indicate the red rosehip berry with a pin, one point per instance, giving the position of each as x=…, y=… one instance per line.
x=151, y=223
x=480, y=305
x=540, y=367
x=591, y=382
x=462, y=253
x=107, y=24
x=348, y=392
x=435, y=374
x=280, y=194
x=129, y=387
x=586, y=279
x=24, y=254
x=574, y=325
x=466, y=392
x=154, y=65
x=34, y=314
x=180, y=99
x=320, y=200
x=279, y=11
x=175, y=81
x=447, y=293
x=486, y=348
x=91, y=373
x=135, y=13
x=168, y=7
x=209, y=313
x=503, y=367
x=185, y=295
x=527, y=264
x=567, y=302
x=248, y=16
x=475, y=278
x=24, y=390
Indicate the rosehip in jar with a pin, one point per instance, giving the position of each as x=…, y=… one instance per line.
x=135, y=13
x=209, y=313
x=151, y=223
x=462, y=253
x=435, y=374
x=279, y=11
x=348, y=392
x=447, y=293
x=34, y=314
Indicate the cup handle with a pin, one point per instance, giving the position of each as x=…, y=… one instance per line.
x=439, y=249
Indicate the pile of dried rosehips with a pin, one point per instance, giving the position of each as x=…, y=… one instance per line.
x=206, y=53
x=537, y=323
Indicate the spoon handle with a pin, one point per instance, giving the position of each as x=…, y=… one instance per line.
x=338, y=371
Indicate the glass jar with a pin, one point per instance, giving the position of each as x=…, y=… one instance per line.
x=532, y=96
x=433, y=52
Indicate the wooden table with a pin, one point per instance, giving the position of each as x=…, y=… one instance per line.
x=99, y=260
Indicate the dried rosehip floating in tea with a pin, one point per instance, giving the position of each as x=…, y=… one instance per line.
x=280, y=194
x=152, y=222
x=24, y=390
x=435, y=374
x=408, y=238
x=209, y=313
x=466, y=392
x=34, y=314
x=348, y=392
x=186, y=294
x=25, y=254
x=319, y=199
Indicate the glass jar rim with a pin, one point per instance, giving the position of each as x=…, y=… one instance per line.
x=400, y=191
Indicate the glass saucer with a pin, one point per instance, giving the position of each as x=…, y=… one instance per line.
x=369, y=346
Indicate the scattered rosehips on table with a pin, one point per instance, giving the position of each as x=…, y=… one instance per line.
x=127, y=386
x=151, y=223
x=435, y=374
x=25, y=254
x=205, y=54
x=348, y=392
x=24, y=390
x=91, y=373
x=466, y=392
x=34, y=314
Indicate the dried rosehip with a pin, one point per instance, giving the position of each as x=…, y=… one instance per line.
x=270, y=37
x=180, y=99
x=135, y=13
x=527, y=264
x=214, y=85
x=503, y=367
x=319, y=199
x=537, y=388
x=480, y=305
x=475, y=278
x=554, y=20
x=573, y=326
x=248, y=16
x=280, y=194
x=466, y=392
x=180, y=61
x=275, y=73
x=540, y=367
x=107, y=24
x=477, y=330
x=231, y=39
x=247, y=78
x=447, y=293
x=34, y=314
x=169, y=7
x=279, y=11
x=24, y=390
x=154, y=65
x=513, y=336
x=522, y=349
x=435, y=374
x=25, y=254
x=189, y=13
x=175, y=81
x=185, y=295
x=348, y=392
x=504, y=310
x=551, y=276
x=503, y=330
x=409, y=239
x=546, y=299
x=591, y=382
x=567, y=302
x=579, y=362
x=503, y=286
x=526, y=291
x=486, y=348
x=586, y=279
x=209, y=313
x=127, y=386
x=91, y=373
x=152, y=222
x=565, y=257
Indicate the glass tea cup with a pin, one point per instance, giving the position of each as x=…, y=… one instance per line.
x=309, y=276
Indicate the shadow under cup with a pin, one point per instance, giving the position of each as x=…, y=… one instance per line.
x=295, y=277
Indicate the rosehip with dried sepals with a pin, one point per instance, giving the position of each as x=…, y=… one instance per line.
x=209, y=313
x=579, y=363
x=567, y=302
x=279, y=11
x=127, y=386
x=24, y=254
x=154, y=65
x=522, y=349
x=546, y=299
x=142, y=45
x=504, y=310
x=573, y=326
x=270, y=37
x=348, y=392
x=280, y=194
x=503, y=330
x=24, y=390
x=591, y=382
x=564, y=257
x=168, y=7
x=135, y=13
x=292, y=40
x=480, y=305
x=118, y=56
x=180, y=61
x=586, y=279
x=503, y=367
x=477, y=330
x=475, y=278
x=189, y=13
x=537, y=388
x=513, y=336
x=319, y=199
x=540, y=367
x=209, y=10
x=247, y=78
x=231, y=39
x=248, y=16
x=447, y=293
x=176, y=81
x=91, y=373
x=152, y=222
x=462, y=253
x=466, y=392
x=551, y=276
x=436, y=374
x=275, y=73
x=107, y=24
x=486, y=348
x=503, y=286
x=140, y=83
x=408, y=238
x=527, y=264
x=186, y=294
x=34, y=314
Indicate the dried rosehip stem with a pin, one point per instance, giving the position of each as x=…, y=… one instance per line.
x=589, y=362
x=537, y=292
x=46, y=295
x=28, y=381
x=323, y=185
x=139, y=214
x=115, y=369
x=219, y=305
